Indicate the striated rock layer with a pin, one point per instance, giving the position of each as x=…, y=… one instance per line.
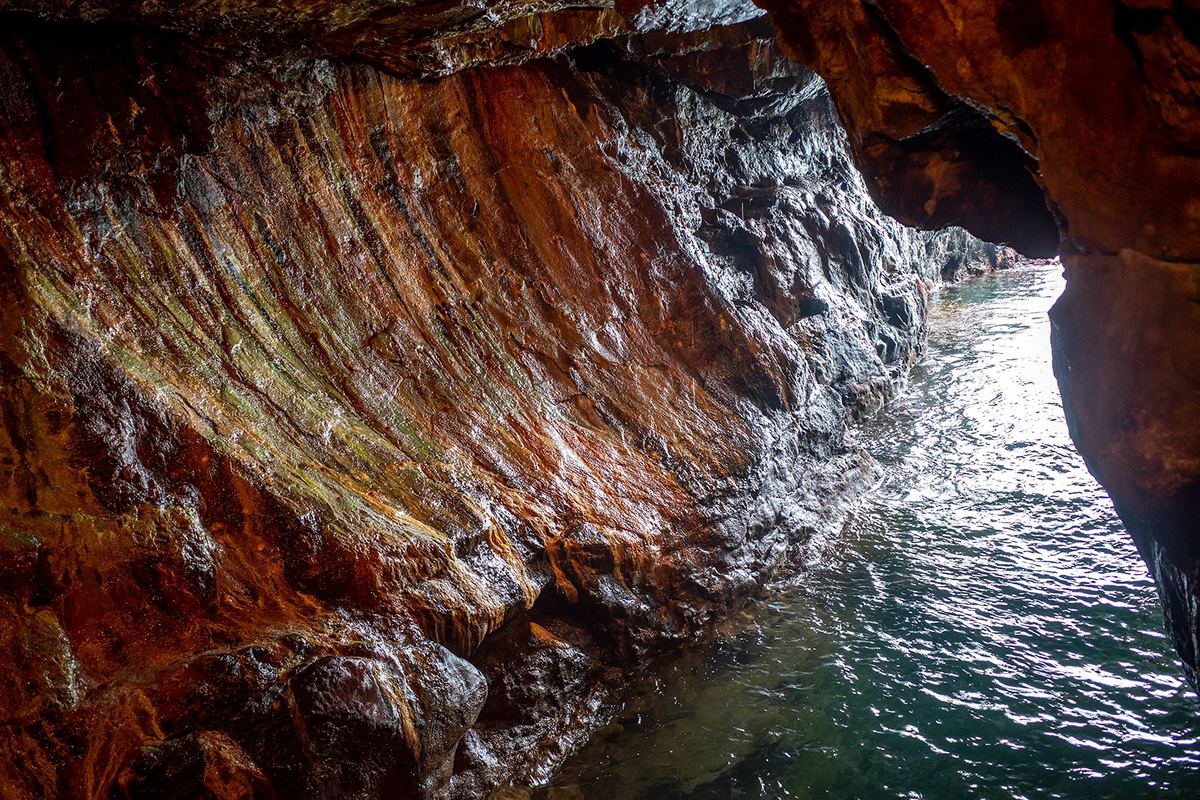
x=1035, y=122
x=360, y=434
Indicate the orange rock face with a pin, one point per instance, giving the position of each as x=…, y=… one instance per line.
x=368, y=414
x=960, y=110
x=358, y=434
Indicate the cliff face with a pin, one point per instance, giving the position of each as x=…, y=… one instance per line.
x=361, y=433
x=1030, y=122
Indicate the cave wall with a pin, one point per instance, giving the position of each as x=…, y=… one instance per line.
x=365, y=425
x=1057, y=125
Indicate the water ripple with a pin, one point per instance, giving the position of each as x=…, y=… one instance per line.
x=987, y=629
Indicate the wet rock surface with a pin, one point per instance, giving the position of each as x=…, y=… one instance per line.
x=360, y=434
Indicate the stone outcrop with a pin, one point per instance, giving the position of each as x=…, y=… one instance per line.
x=364, y=425
x=1038, y=121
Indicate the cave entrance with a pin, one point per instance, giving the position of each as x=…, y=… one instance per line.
x=984, y=625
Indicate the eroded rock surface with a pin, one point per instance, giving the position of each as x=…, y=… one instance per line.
x=360, y=434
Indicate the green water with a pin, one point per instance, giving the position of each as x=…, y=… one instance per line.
x=983, y=629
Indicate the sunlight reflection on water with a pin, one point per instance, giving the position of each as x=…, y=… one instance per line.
x=984, y=629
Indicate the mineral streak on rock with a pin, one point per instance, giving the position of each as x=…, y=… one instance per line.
x=359, y=434
x=1017, y=118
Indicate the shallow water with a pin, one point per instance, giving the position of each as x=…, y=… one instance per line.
x=984, y=628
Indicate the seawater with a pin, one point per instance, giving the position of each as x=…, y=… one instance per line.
x=984, y=628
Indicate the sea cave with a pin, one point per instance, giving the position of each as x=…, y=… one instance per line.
x=389, y=390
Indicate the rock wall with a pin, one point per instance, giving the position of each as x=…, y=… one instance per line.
x=1057, y=125
x=361, y=431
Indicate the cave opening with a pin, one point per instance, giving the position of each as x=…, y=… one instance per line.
x=983, y=626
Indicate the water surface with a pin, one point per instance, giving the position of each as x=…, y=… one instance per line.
x=983, y=629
